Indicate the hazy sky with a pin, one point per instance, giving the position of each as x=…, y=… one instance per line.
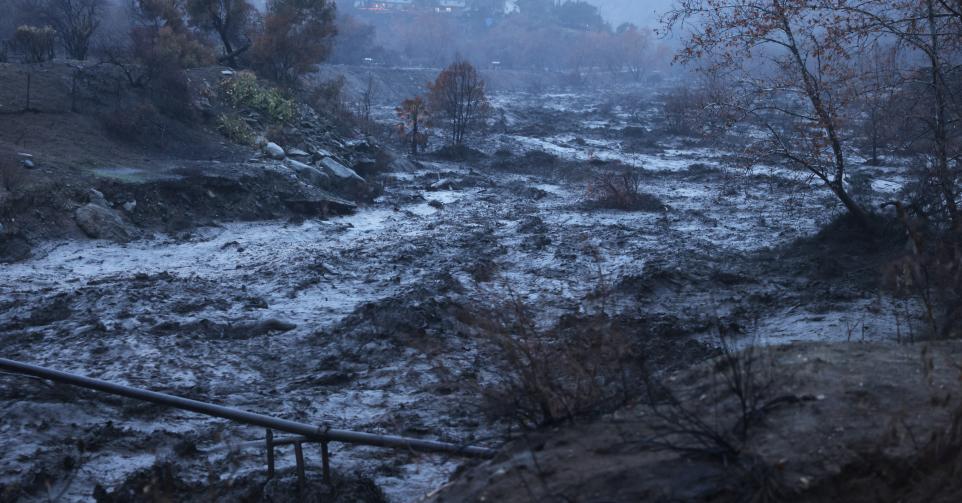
x=636, y=11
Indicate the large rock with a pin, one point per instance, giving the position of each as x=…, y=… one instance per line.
x=274, y=151
x=321, y=205
x=13, y=248
x=309, y=173
x=339, y=170
x=99, y=222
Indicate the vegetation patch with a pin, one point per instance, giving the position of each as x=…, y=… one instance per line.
x=236, y=129
x=243, y=90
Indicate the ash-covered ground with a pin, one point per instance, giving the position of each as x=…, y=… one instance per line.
x=369, y=321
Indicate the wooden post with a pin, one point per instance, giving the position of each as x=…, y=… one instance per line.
x=270, y=453
x=299, y=454
x=326, y=463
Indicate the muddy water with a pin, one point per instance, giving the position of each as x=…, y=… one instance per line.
x=180, y=313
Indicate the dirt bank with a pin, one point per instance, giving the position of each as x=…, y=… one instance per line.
x=855, y=422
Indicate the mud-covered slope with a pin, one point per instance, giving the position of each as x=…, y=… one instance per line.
x=854, y=423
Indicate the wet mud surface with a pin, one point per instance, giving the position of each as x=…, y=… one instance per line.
x=371, y=321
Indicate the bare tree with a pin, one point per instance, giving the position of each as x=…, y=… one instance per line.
x=932, y=30
x=805, y=56
x=227, y=18
x=76, y=21
x=458, y=96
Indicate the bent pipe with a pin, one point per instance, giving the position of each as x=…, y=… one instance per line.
x=314, y=433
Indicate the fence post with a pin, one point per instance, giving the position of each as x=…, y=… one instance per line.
x=270, y=453
x=73, y=92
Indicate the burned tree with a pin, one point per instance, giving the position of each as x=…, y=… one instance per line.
x=227, y=18
x=458, y=98
x=76, y=21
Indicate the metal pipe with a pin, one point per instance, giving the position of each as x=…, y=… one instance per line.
x=316, y=433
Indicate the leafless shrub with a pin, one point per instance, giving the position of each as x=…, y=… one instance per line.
x=930, y=271
x=130, y=124
x=742, y=393
x=622, y=191
x=12, y=176
x=545, y=378
x=36, y=43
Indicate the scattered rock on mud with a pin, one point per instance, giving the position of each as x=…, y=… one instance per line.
x=99, y=222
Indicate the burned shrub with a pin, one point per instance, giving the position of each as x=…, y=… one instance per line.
x=930, y=271
x=558, y=376
x=621, y=191
x=36, y=43
x=131, y=124
x=12, y=176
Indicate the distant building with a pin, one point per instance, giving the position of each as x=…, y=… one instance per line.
x=387, y=6
x=384, y=5
x=452, y=6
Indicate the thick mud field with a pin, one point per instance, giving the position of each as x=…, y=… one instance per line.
x=372, y=321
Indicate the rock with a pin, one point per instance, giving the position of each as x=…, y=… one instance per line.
x=366, y=166
x=27, y=163
x=129, y=206
x=99, y=222
x=443, y=184
x=434, y=203
x=94, y=196
x=339, y=170
x=320, y=152
x=321, y=206
x=309, y=174
x=227, y=73
x=13, y=248
x=274, y=151
x=402, y=164
x=296, y=152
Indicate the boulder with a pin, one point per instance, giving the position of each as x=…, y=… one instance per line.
x=309, y=173
x=296, y=152
x=339, y=170
x=323, y=206
x=402, y=164
x=99, y=222
x=274, y=151
x=13, y=248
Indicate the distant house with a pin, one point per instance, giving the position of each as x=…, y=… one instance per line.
x=452, y=6
x=384, y=5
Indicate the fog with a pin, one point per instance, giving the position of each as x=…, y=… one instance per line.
x=641, y=12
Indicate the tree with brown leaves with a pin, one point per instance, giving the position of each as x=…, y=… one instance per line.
x=296, y=37
x=413, y=113
x=791, y=60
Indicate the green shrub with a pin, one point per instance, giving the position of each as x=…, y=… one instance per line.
x=244, y=91
x=235, y=129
